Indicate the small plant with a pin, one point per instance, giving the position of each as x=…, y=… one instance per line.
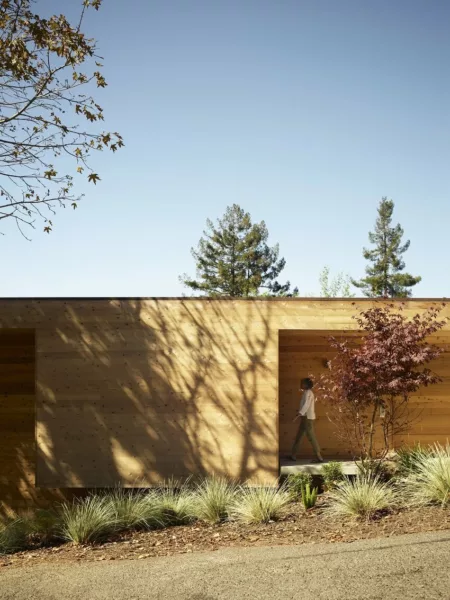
x=260, y=504
x=13, y=535
x=177, y=503
x=408, y=459
x=213, y=499
x=91, y=519
x=135, y=510
x=373, y=468
x=309, y=496
x=429, y=481
x=364, y=496
x=296, y=482
x=44, y=526
x=332, y=474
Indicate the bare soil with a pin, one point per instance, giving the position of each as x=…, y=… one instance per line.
x=297, y=527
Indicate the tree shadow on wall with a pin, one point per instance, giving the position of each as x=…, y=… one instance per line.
x=138, y=391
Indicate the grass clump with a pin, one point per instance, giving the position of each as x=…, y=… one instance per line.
x=428, y=481
x=13, y=535
x=375, y=468
x=88, y=520
x=409, y=459
x=43, y=526
x=213, y=499
x=332, y=474
x=364, y=496
x=135, y=509
x=260, y=504
x=309, y=496
x=296, y=483
x=177, y=503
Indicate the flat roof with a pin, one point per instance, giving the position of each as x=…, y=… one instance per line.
x=222, y=298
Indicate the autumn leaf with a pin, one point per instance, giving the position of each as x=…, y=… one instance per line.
x=93, y=177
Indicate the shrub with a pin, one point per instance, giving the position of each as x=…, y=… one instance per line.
x=429, y=481
x=332, y=473
x=408, y=459
x=135, y=510
x=309, y=496
x=363, y=496
x=45, y=525
x=213, y=499
x=91, y=519
x=13, y=536
x=177, y=503
x=374, y=469
x=296, y=482
x=260, y=504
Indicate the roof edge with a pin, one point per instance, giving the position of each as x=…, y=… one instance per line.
x=216, y=299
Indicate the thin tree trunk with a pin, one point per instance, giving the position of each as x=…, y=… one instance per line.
x=372, y=428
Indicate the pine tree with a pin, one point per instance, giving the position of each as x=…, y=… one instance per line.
x=234, y=259
x=385, y=276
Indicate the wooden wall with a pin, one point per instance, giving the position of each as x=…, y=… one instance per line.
x=138, y=390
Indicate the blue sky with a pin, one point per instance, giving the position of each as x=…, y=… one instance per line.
x=305, y=113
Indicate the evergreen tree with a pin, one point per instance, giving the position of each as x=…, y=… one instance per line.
x=234, y=259
x=385, y=275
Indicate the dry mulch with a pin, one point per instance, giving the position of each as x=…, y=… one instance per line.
x=297, y=527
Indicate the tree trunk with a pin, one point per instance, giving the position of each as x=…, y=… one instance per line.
x=372, y=428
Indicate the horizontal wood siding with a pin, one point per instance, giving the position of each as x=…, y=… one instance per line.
x=136, y=391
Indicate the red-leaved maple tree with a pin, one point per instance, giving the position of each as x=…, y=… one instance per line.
x=368, y=385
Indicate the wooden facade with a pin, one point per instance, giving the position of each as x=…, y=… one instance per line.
x=96, y=392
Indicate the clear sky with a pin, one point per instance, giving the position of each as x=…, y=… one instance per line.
x=303, y=112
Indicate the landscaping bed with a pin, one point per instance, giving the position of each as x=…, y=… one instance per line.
x=296, y=527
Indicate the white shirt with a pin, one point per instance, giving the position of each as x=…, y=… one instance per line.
x=307, y=405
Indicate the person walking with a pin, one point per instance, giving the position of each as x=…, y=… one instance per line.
x=307, y=416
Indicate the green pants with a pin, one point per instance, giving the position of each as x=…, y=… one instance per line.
x=306, y=426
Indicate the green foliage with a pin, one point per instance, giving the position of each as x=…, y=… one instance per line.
x=309, y=496
x=363, y=496
x=259, y=504
x=89, y=520
x=296, y=482
x=234, y=259
x=213, y=499
x=332, y=474
x=178, y=503
x=49, y=68
x=13, y=536
x=374, y=468
x=384, y=276
x=339, y=286
x=43, y=525
x=408, y=459
x=429, y=480
x=135, y=510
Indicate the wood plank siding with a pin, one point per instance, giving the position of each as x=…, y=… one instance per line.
x=95, y=392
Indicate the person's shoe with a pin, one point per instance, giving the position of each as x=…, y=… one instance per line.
x=293, y=458
x=319, y=459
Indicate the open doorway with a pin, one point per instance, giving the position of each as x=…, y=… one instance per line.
x=304, y=353
x=17, y=422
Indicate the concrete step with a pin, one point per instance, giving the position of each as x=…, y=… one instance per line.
x=305, y=465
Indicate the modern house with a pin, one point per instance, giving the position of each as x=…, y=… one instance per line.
x=96, y=392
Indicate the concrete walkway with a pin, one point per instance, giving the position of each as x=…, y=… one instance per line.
x=402, y=568
x=305, y=465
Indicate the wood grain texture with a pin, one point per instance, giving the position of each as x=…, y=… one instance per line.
x=134, y=391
